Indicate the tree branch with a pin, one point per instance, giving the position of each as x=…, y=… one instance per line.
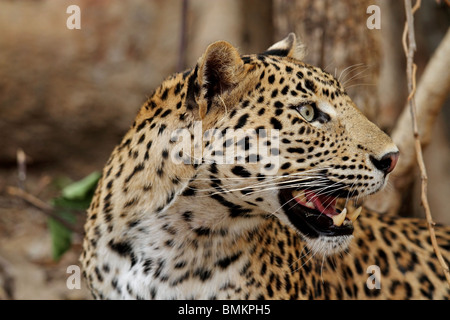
x=42, y=206
x=410, y=71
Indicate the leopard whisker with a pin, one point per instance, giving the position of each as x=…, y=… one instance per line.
x=361, y=84
x=277, y=186
x=349, y=69
x=345, y=81
x=262, y=187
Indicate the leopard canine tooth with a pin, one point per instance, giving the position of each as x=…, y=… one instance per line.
x=309, y=204
x=355, y=214
x=339, y=219
x=300, y=196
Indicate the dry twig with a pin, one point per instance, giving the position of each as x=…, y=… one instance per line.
x=21, y=168
x=41, y=205
x=430, y=95
x=410, y=48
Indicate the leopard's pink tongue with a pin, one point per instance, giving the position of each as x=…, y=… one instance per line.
x=323, y=203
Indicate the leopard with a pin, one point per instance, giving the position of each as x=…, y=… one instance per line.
x=244, y=178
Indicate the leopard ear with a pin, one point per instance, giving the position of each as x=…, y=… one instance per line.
x=288, y=47
x=221, y=69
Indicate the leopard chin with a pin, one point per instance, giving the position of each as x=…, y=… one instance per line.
x=328, y=246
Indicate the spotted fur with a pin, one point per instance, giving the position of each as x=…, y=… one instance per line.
x=164, y=229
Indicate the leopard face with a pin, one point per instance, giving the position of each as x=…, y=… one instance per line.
x=319, y=148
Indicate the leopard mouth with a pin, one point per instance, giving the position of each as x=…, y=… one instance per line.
x=316, y=215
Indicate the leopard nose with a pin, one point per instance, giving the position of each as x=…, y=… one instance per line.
x=387, y=163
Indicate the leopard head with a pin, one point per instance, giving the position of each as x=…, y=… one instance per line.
x=284, y=137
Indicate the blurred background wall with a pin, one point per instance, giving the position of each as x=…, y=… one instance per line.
x=68, y=96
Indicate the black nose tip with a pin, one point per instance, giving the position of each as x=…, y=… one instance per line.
x=386, y=163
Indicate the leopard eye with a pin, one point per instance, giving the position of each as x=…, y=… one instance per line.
x=307, y=112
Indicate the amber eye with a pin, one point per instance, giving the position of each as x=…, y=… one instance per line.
x=307, y=112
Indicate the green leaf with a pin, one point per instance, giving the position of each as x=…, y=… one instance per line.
x=75, y=196
x=61, y=182
x=79, y=190
x=63, y=203
x=60, y=235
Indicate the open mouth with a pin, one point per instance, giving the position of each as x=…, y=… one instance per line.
x=316, y=215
